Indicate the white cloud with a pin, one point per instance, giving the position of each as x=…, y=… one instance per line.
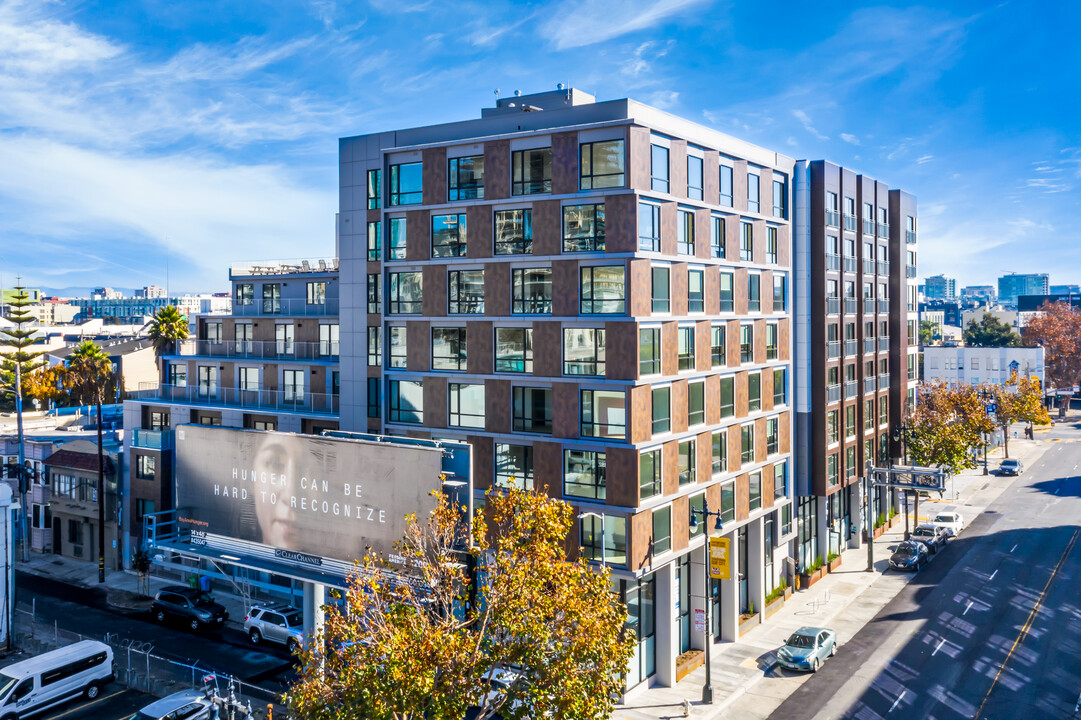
x=587, y=22
x=850, y=139
x=924, y=159
x=32, y=45
x=805, y=120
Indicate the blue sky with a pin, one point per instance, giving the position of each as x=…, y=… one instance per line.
x=143, y=135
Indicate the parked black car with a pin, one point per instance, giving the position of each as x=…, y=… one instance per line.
x=195, y=608
x=909, y=555
x=933, y=537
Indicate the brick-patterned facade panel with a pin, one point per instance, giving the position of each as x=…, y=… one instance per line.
x=677, y=168
x=565, y=410
x=669, y=238
x=681, y=523
x=702, y=350
x=670, y=471
x=679, y=406
x=731, y=347
x=434, y=299
x=479, y=338
x=478, y=231
x=743, y=497
x=418, y=235
x=565, y=163
x=739, y=291
x=640, y=422
x=483, y=460
x=702, y=237
x=418, y=339
x=620, y=224
x=547, y=228
x=739, y=185
x=711, y=179
x=640, y=542
x=548, y=467
x=547, y=349
x=638, y=158
x=734, y=462
x=497, y=290
x=621, y=350
x=678, y=295
x=622, y=477
x=565, y=277
x=435, y=175
x=497, y=406
x=640, y=289
x=435, y=402
x=669, y=348
x=760, y=440
x=497, y=169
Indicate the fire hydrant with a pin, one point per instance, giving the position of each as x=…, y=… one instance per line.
x=686, y=708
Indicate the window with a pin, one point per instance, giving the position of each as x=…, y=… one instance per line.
x=244, y=294
x=614, y=537
x=317, y=293
x=269, y=425
x=145, y=467
x=780, y=387
x=779, y=204
x=406, y=184
x=396, y=242
x=662, y=530
x=850, y=421
x=405, y=293
x=375, y=293
x=272, y=298
x=662, y=409
x=448, y=235
x=661, y=290
x=686, y=462
x=178, y=375
x=832, y=216
x=868, y=414
x=531, y=291
x=649, y=227
x=649, y=351
x=696, y=403
x=514, y=349
x=720, y=452
x=514, y=466
x=466, y=405
x=754, y=392
x=696, y=291
x=601, y=165
x=728, y=502
x=207, y=381
x=531, y=171
x=649, y=474
x=726, y=186
x=375, y=241
x=771, y=341
x=685, y=336
x=658, y=163
x=773, y=441
x=405, y=401
x=465, y=289
x=375, y=189
x=374, y=410
x=604, y=414
x=755, y=490
x=697, y=504
x=449, y=349
x=716, y=237
x=583, y=351
x=283, y=336
x=604, y=290
x=728, y=396
x=746, y=438
x=514, y=232
x=375, y=353
x=771, y=245
x=465, y=178
x=746, y=343
x=850, y=462
x=213, y=332
x=883, y=410
x=727, y=292
x=780, y=480
x=584, y=474
x=583, y=228
x=685, y=233
x=694, y=177
x=753, y=191
x=754, y=292
x=780, y=293
x=248, y=378
x=716, y=345
x=532, y=410
x=293, y=385
x=396, y=347
x=746, y=242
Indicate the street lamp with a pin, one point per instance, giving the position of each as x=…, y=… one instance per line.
x=600, y=516
x=705, y=512
x=900, y=434
x=987, y=405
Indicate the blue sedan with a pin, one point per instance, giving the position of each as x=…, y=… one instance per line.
x=807, y=649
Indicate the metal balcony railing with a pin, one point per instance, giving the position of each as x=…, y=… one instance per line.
x=883, y=230
x=261, y=349
x=833, y=218
x=851, y=306
x=152, y=439
x=283, y=267
x=850, y=264
x=850, y=223
x=868, y=306
x=833, y=306
x=868, y=345
x=279, y=400
x=911, y=272
x=883, y=382
x=287, y=307
x=833, y=350
x=852, y=389
x=868, y=267
x=910, y=237
x=833, y=262
x=868, y=227
x=883, y=268
x=833, y=393
x=884, y=306
x=884, y=344
x=851, y=347
x=869, y=386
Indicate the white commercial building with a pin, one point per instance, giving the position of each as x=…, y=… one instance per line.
x=974, y=365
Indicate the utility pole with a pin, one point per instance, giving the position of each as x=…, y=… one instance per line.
x=24, y=485
x=705, y=512
x=101, y=501
x=870, y=522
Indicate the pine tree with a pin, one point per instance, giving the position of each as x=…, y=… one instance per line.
x=14, y=344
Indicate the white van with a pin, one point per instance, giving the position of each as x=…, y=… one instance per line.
x=55, y=677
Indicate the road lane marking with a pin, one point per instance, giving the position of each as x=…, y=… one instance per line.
x=896, y=701
x=940, y=644
x=967, y=609
x=1028, y=623
x=993, y=575
x=1012, y=549
x=83, y=706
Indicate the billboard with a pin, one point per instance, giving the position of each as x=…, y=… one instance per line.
x=306, y=497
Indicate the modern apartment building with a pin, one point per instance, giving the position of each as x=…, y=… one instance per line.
x=856, y=342
x=1012, y=285
x=596, y=296
x=940, y=287
x=979, y=292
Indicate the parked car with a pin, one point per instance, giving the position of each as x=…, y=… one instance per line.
x=933, y=537
x=807, y=649
x=275, y=622
x=909, y=555
x=1011, y=467
x=195, y=608
x=952, y=522
x=183, y=705
x=53, y=678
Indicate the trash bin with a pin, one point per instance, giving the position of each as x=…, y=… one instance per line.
x=204, y=583
x=193, y=582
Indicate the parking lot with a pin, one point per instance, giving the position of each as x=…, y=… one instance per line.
x=116, y=703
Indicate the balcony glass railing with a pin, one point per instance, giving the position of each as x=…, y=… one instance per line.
x=852, y=347
x=883, y=230
x=883, y=268
x=283, y=267
x=883, y=344
x=851, y=306
x=884, y=306
x=868, y=227
x=833, y=218
x=911, y=272
x=833, y=262
x=833, y=306
x=152, y=439
x=883, y=382
x=868, y=386
x=852, y=389
x=287, y=307
x=833, y=350
x=850, y=264
x=279, y=400
x=260, y=349
x=868, y=345
x=910, y=237
x=850, y=223
x=868, y=267
x=833, y=393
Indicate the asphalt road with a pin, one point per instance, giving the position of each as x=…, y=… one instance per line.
x=990, y=629
x=116, y=703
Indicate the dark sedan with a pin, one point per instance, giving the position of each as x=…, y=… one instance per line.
x=933, y=537
x=194, y=608
x=909, y=555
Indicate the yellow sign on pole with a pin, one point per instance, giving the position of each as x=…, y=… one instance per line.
x=720, y=568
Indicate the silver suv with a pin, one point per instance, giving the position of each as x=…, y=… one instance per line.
x=275, y=622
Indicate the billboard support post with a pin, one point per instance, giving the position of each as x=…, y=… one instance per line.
x=314, y=599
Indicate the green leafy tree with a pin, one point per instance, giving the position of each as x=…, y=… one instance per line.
x=16, y=357
x=416, y=642
x=928, y=332
x=1019, y=400
x=947, y=425
x=990, y=332
x=167, y=328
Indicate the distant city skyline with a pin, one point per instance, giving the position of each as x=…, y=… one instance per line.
x=158, y=143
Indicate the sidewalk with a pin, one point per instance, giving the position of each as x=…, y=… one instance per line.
x=746, y=681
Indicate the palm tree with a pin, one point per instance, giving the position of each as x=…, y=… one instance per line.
x=168, y=326
x=87, y=380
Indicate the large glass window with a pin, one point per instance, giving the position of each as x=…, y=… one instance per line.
x=754, y=292
x=694, y=177
x=780, y=293
x=773, y=439
x=532, y=291
x=727, y=292
x=583, y=351
x=780, y=387
x=686, y=462
x=465, y=178
x=601, y=165
x=779, y=201
x=532, y=410
x=244, y=294
x=649, y=351
x=316, y=293
x=746, y=437
x=753, y=192
x=375, y=352
x=685, y=232
x=604, y=414
x=514, y=349
x=649, y=227
x=728, y=502
x=405, y=401
x=746, y=343
x=405, y=293
x=726, y=186
x=696, y=403
x=685, y=336
x=780, y=480
x=716, y=345
x=728, y=396
x=531, y=171
x=771, y=341
x=716, y=237
x=661, y=290
x=583, y=228
x=406, y=184
x=604, y=290
x=696, y=295
x=649, y=474
x=746, y=242
x=662, y=529
x=272, y=298
x=397, y=354
x=755, y=486
x=720, y=452
x=662, y=409
x=449, y=348
x=466, y=408
x=375, y=189
x=448, y=235
x=375, y=241
x=658, y=163
x=584, y=474
x=396, y=241
x=514, y=232
x=514, y=466
x=771, y=245
x=754, y=392
x=614, y=536
x=465, y=292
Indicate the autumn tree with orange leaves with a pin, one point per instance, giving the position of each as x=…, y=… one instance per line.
x=1058, y=329
x=1020, y=399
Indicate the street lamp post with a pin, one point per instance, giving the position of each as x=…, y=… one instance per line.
x=600, y=516
x=705, y=513
x=900, y=434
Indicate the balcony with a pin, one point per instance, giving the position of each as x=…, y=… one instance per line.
x=852, y=389
x=152, y=439
x=883, y=382
x=868, y=306
x=275, y=400
x=868, y=227
x=261, y=349
x=833, y=218
x=868, y=267
x=286, y=307
x=833, y=306
x=884, y=306
x=910, y=237
x=41, y=539
x=869, y=386
x=883, y=230
x=833, y=393
x=39, y=494
x=868, y=346
x=911, y=272
x=883, y=268
x=850, y=264
x=833, y=262
x=283, y=267
x=850, y=223
x=852, y=347
x=833, y=350
x=851, y=306
x=884, y=344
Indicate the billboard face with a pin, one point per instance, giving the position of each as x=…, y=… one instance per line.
x=299, y=494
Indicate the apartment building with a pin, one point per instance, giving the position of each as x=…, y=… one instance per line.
x=596, y=297
x=940, y=287
x=856, y=344
x=1011, y=285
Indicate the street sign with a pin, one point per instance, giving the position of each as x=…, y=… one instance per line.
x=992, y=408
x=699, y=620
x=910, y=478
x=720, y=567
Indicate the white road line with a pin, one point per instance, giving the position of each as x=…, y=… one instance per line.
x=993, y=575
x=940, y=644
x=967, y=609
x=1078, y=705
x=1056, y=490
x=1012, y=549
x=896, y=701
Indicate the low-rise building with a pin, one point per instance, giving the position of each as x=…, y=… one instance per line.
x=72, y=501
x=975, y=365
